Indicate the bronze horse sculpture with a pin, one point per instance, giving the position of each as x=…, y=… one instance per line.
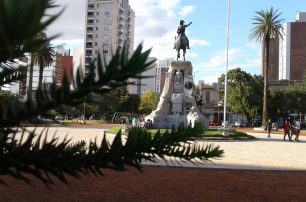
x=181, y=44
x=181, y=41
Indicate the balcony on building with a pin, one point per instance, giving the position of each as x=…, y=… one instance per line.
x=89, y=45
x=120, y=38
x=121, y=15
x=89, y=30
x=88, y=60
x=90, y=16
x=121, y=22
x=120, y=25
x=89, y=38
x=120, y=32
x=91, y=8
x=90, y=23
x=88, y=53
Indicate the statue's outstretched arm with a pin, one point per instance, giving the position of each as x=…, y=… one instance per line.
x=189, y=24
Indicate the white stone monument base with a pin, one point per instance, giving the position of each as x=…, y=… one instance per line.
x=177, y=104
x=168, y=121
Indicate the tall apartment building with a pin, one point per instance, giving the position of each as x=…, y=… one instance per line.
x=292, y=49
x=156, y=82
x=109, y=25
x=161, y=73
x=63, y=65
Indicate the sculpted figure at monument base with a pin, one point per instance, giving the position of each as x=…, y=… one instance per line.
x=177, y=104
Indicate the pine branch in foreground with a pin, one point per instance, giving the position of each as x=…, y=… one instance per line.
x=23, y=152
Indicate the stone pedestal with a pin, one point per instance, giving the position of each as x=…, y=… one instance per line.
x=177, y=104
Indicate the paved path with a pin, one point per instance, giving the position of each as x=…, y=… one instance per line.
x=259, y=154
x=262, y=153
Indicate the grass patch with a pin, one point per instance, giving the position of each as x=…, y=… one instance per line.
x=115, y=130
x=209, y=134
x=215, y=134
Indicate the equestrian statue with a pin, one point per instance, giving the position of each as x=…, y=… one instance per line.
x=181, y=40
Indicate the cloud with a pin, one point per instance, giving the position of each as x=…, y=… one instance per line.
x=186, y=10
x=72, y=21
x=252, y=45
x=193, y=55
x=218, y=60
x=72, y=43
x=155, y=24
x=168, y=4
x=198, y=42
x=215, y=65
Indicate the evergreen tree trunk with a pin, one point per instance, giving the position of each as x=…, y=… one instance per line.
x=41, y=69
x=266, y=87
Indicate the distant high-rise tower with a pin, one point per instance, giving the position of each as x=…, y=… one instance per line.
x=161, y=73
x=109, y=25
x=292, y=49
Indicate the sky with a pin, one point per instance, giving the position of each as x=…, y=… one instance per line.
x=157, y=22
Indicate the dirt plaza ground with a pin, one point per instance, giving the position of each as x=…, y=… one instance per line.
x=261, y=170
x=166, y=184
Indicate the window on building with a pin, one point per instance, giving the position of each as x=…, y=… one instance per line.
x=97, y=13
x=88, y=60
x=207, y=97
x=108, y=22
x=105, y=51
x=97, y=36
x=97, y=28
x=106, y=37
x=97, y=20
x=96, y=43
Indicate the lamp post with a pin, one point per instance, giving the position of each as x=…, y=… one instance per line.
x=226, y=66
x=219, y=105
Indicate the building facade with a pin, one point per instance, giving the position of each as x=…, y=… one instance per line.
x=63, y=65
x=292, y=49
x=109, y=25
x=162, y=67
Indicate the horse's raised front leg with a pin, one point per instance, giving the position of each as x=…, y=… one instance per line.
x=184, y=54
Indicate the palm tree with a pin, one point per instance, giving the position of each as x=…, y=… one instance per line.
x=267, y=27
x=43, y=57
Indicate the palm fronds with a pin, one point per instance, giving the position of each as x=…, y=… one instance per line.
x=20, y=21
x=267, y=24
x=9, y=74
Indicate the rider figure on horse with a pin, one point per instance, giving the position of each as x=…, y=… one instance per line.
x=181, y=31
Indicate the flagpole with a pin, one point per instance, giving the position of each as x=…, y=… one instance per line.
x=226, y=66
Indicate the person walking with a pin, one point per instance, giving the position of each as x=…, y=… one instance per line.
x=286, y=130
x=269, y=128
x=292, y=128
x=297, y=130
